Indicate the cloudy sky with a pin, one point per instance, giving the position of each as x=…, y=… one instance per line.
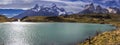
x=26, y=4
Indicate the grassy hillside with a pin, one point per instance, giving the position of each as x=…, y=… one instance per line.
x=3, y=19
x=106, y=38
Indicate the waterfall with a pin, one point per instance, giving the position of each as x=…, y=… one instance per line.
x=18, y=20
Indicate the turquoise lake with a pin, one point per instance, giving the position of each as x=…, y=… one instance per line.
x=23, y=33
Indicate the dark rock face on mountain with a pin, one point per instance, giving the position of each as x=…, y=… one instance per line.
x=99, y=9
x=43, y=11
x=88, y=9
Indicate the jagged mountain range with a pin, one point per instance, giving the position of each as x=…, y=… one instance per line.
x=43, y=11
x=91, y=8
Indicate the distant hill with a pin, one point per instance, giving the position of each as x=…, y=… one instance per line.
x=11, y=12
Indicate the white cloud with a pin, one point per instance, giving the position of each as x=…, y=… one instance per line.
x=5, y=1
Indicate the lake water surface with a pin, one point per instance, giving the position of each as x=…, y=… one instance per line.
x=23, y=33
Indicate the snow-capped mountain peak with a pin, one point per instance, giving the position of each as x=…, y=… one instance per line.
x=36, y=8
